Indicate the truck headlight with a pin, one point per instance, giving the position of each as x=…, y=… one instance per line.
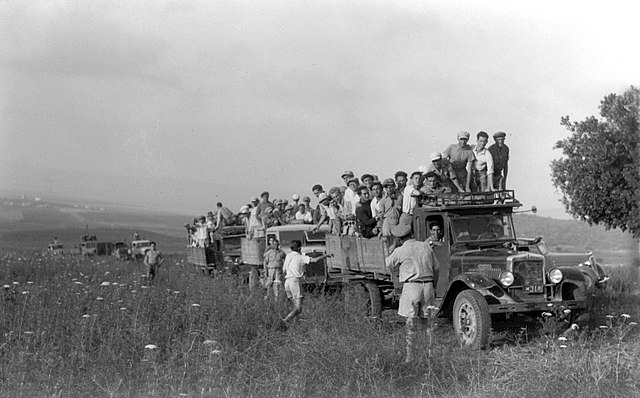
x=555, y=276
x=506, y=278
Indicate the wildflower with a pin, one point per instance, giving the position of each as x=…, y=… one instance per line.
x=105, y=284
x=121, y=285
x=134, y=291
x=625, y=316
x=546, y=314
x=25, y=292
x=78, y=283
x=107, y=273
x=632, y=323
x=567, y=311
x=575, y=326
x=143, y=287
x=195, y=305
x=28, y=332
x=29, y=282
x=563, y=346
x=16, y=283
x=433, y=307
x=550, y=305
x=209, y=342
x=99, y=298
x=151, y=346
x=216, y=352
x=176, y=292
x=123, y=308
x=562, y=338
x=609, y=316
x=85, y=316
x=604, y=327
x=7, y=287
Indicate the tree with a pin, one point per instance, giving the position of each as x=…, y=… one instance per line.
x=599, y=173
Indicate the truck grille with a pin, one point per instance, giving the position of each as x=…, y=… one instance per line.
x=529, y=274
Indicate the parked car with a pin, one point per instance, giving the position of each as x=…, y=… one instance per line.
x=586, y=262
x=139, y=248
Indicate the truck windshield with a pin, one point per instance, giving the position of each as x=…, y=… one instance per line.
x=287, y=236
x=483, y=227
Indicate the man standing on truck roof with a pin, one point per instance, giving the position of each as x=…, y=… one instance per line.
x=153, y=260
x=418, y=270
x=273, y=262
x=482, y=171
x=500, y=153
x=461, y=157
x=294, y=267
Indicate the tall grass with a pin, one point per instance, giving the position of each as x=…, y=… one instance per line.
x=91, y=327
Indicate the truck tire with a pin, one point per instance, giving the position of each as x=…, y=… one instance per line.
x=471, y=319
x=363, y=298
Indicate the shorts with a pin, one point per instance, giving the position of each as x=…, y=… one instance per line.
x=274, y=275
x=293, y=288
x=415, y=299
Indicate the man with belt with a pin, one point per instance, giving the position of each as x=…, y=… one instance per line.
x=418, y=270
x=273, y=262
x=500, y=154
x=153, y=260
x=294, y=267
x=461, y=158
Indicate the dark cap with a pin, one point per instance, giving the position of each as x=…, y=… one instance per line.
x=366, y=176
x=389, y=183
x=265, y=193
x=347, y=173
x=500, y=134
x=353, y=179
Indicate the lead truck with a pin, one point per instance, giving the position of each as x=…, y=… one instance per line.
x=484, y=272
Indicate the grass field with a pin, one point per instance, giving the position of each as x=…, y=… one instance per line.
x=75, y=326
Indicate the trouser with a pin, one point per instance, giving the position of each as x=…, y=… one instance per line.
x=479, y=181
x=387, y=224
x=405, y=218
x=274, y=279
x=414, y=325
x=498, y=181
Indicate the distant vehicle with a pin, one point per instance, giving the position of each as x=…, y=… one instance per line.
x=212, y=258
x=55, y=248
x=121, y=251
x=594, y=274
x=93, y=248
x=139, y=248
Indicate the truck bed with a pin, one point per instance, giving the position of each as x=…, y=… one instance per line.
x=357, y=254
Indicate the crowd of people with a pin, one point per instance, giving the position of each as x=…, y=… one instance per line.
x=368, y=206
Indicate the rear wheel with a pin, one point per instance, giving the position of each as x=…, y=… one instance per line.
x=471, y=319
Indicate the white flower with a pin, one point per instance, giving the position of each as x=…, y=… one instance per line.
x=123, y=308
x=78, y=283
x=85, y=316
x=550, y=305
x=28, y=332
x=604, y=327
x=29, y=282
x=134, y=291
x=609, y=316
x=16, y=283
x=25, y=292
x=107, y=273
x=7, y=286
x=567, y=311
x=151, y=346
x=546, y=314
x=105, y=284
x=143, y=287
x=209, y=342
x=562, y=338
x=625, y=316
x=563, y=346
x=632, y=323
x=575, y=326
x=99, y=298
x=195, y=305
x=176, y=292
x=216, y=352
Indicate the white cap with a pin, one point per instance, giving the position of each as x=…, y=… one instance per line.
x=295, y=196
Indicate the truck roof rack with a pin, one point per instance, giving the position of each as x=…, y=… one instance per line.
x=506, y=197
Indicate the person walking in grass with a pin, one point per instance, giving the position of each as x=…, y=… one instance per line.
x=153, y=259
x=294, y=267
x=418, y=270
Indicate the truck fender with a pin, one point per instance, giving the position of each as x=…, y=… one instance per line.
x=571, y=273
x=478, y=282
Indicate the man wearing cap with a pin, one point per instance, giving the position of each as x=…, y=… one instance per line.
x=482, y=178
x=256, y=228
x=366, y=222
x=461, y=157
x=500, y=153
x=390, y=207
x=323, y=210
x=294, y=205
x=443, y=169
x=418, y=271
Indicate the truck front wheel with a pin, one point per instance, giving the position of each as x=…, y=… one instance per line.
x=471, y=319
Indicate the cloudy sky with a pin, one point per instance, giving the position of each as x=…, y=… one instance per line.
x=177, y=105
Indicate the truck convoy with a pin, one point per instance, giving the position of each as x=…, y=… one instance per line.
x=485, y=271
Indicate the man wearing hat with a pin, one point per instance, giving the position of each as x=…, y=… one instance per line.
x=443, y=169
x=500, y=153
x=323, y=210
x=390, y=207
x=295, y=201
x=418, y=271
x=346, y=176
x=461, y=157
x=255, y=224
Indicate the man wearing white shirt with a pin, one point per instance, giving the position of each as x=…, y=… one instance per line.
x=409, y=197
x=482, y=177
x=293, y=268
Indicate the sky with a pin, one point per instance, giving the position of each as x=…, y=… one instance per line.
x=178, y=105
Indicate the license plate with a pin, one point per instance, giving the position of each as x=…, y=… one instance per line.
x=533, y=289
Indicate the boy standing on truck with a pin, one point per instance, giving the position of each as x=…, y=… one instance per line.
x=418, y=270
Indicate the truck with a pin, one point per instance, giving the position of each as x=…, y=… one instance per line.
x=215, y=257
x=95, y=248
x=483, y=275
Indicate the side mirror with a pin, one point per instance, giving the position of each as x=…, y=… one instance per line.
x=534, y=209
